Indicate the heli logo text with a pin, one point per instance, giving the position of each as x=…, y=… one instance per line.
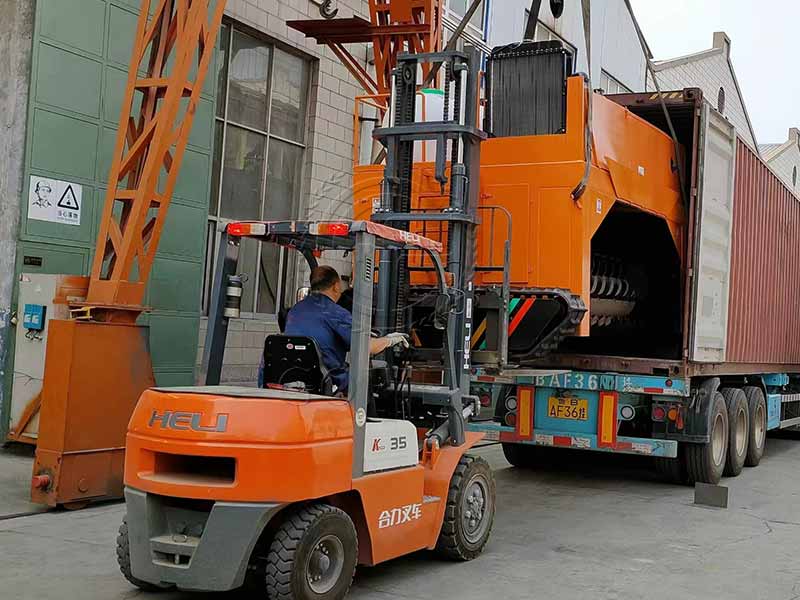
x=185, y=421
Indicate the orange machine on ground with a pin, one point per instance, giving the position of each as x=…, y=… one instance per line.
x=569, y=193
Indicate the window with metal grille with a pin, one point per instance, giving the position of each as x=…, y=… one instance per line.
x=259, y=148
x=458, y=8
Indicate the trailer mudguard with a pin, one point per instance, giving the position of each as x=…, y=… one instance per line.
x=698, y=414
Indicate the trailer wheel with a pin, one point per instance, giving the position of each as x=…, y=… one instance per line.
x=673, y=470
x=706, y=462
x=313, y=555
x=739, y=425
x=124, y=561
x=469, y=513
x=522, y=456
x=757, y=407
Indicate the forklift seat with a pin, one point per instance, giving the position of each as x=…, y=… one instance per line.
x=292, y=359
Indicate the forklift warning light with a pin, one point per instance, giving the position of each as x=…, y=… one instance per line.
x=244, y=229
x=330, y=229
x=239, y=229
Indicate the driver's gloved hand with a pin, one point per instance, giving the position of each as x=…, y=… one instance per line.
x=398, y=338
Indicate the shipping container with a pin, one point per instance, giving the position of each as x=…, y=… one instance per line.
x=764, y=306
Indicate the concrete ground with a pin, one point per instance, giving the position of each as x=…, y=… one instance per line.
x=16, y=468
x=601, y=529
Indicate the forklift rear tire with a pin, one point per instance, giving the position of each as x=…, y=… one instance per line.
x=124, y=561
x=469, y=514
x=706, y=462
x=522, y=456
x=313, y=555
x=757, y=406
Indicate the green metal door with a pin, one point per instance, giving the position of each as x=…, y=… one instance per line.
x=81, y=50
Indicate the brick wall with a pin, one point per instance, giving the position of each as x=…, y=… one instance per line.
x=326, y=191
x=243, y=348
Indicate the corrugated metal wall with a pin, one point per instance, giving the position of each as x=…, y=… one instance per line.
x=764, y=311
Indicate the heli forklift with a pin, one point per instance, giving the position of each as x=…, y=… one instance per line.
x=288, y=487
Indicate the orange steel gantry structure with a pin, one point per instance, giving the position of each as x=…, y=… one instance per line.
x=179, y=39
x=395, y=26
x=97, y=362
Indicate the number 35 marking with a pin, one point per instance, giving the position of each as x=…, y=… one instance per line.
x=398, y=443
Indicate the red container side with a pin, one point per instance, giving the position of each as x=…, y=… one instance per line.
x=764, y=305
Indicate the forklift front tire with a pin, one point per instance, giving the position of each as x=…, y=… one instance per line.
x=469, y=514
x=313, y=555
x=124, y=561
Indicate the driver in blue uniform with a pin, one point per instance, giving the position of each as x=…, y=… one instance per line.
x=318, y=316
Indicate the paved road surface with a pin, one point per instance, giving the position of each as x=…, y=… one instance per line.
x=602, y=530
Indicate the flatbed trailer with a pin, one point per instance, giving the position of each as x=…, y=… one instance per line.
x=621, y=412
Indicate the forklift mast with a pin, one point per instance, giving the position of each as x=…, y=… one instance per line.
x=456, y=133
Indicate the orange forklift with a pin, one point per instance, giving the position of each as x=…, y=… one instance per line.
x=292, y=489
x=288, y=487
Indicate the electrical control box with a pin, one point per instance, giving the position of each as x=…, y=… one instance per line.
x=33, y=317
x=35, y=309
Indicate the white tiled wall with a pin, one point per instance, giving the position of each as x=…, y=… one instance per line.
x=326, y=191
x=709, y=73
x=787, y=161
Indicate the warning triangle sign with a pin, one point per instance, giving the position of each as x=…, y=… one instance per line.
x=68, y=199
